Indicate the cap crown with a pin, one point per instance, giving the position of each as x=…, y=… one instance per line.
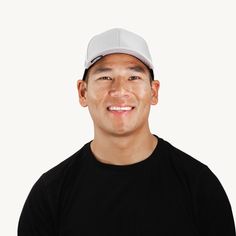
x=117, y=40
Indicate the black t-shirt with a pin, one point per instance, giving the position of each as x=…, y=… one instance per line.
x=167, y=194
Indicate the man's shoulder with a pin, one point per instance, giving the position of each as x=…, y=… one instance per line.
x=181, y=160
x=70, y=164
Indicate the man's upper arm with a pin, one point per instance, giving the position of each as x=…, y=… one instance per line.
x=36, y=218
x=212, y=207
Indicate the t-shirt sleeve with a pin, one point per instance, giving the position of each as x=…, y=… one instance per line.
x=36, y=218
x=212, y=207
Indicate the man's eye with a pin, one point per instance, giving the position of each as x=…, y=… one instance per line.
x=105, y=78
x=134, y=77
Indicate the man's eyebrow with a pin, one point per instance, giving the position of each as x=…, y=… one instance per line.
x=101, y=69
x=106, y=69
x=137, y=69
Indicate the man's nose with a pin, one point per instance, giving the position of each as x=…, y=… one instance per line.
x=119, y=88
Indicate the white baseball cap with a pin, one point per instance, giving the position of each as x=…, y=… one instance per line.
x=117, y=40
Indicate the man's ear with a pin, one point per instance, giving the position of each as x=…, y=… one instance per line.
x=155, y=88
x=82, y=92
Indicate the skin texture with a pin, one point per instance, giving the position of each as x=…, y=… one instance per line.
x=120, y=138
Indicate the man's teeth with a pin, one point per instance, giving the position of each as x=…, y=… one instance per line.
x=119, y=108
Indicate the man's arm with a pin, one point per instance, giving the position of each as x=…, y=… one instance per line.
x=212, y=207
x=36, y=218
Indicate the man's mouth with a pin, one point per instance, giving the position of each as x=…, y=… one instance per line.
x=116, y=108
x=120, y=109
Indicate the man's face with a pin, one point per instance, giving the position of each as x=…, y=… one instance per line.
x=119, y=94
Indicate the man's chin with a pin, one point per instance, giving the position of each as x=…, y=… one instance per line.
x=121, y=132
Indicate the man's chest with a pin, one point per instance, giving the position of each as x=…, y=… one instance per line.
x=126, y=208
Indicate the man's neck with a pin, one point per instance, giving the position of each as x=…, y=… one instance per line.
x=123, y=150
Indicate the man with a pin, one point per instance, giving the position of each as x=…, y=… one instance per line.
x=126, y=181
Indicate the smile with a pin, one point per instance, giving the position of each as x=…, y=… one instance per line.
x=120, y=109
x=114, y=108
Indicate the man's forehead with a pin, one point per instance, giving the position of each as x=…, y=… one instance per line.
x=124, y=61
x=105, y=68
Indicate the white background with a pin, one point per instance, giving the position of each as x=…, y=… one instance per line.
x=42, y=52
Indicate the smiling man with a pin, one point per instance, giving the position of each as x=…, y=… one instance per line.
x=118, y=92
x=126, y=181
